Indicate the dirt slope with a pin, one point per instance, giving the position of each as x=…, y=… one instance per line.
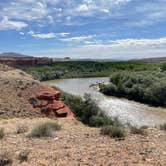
x=22, y=96
x=76, y=144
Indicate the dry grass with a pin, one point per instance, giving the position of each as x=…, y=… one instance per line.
x=44, y=129
x=77, y=144
x=2, y=133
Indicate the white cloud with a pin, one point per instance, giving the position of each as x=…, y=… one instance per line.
x=50, y=19
x=22, y=33
x=67, y=11
x=78, y=38
x=52, y=11
x=118, y=49
x=42, y=35
x=64, y=34
x=27, y=10
x=6, y=24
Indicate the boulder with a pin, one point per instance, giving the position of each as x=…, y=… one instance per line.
x=56, y=105
x=47, y=101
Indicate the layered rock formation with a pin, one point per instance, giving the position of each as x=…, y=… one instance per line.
x=47, y=101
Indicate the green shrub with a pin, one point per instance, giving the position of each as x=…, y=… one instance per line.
x=2, y=133
x=71, y=69
x=5, y=158
x=163, y=127
x=113, y=131
x=163, y=66
x=136, y=130
x=53, y=125
x=44, y=129
x=87, y=111
x=147, y=87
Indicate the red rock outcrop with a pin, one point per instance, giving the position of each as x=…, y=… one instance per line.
x=47, y=101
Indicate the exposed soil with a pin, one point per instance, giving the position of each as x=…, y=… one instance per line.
x=76, y=144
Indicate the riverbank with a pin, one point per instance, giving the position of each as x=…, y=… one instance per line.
x=76, y=144
x=126, y=110
x=145, y=87
x=84, y=69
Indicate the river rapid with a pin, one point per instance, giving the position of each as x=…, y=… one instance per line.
x=126, y=110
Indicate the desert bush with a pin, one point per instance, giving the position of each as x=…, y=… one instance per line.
x=53, y=125
x=21, y=128
x=2, y=133
x=44, y=129
x=147, y=87
x=163, y=126
x=137, y=130
x=87, y=111
x=23, y=155
x=5, y=158
x=113, y=131
x=77, y=69
x=163, y=67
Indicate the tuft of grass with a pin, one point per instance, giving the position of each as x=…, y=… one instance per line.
x=2, y=133
x=136, y=130
x=44, y=129
x=113, y=131
x=163, y=127
x=5, y=158
x=23, y=156
x=21, y=128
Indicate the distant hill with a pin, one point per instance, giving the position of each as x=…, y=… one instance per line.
x=151, y=60
x=18, y=60
x=13, y=55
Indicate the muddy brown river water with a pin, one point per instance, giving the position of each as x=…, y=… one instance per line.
x=126, y=110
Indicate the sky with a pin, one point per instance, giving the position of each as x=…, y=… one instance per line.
x=104, y=29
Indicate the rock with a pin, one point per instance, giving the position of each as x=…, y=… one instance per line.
x=47, y=100
x=45, y=96
x=56, y=105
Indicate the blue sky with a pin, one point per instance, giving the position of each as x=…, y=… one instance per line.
x=116, y=29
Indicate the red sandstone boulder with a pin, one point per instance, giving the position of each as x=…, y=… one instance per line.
x=46, y=96
x=61, y=113
x=47, y=101
x=56, y=105
x=43, y=103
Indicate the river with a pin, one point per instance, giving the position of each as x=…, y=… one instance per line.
x=127, y=111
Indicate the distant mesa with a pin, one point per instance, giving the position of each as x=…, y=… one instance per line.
x=19, y=60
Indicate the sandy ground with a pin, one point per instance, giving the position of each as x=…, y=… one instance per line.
x=76, y=144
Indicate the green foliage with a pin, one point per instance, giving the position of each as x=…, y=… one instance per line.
x=147, y=87
x=44, y=129
x=163, y=127
x=113, y=131
x=87, y=111
x=163, y=67
x=73, y=69
x=2, y=133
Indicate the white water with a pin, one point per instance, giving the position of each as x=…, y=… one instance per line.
x=126, y=110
